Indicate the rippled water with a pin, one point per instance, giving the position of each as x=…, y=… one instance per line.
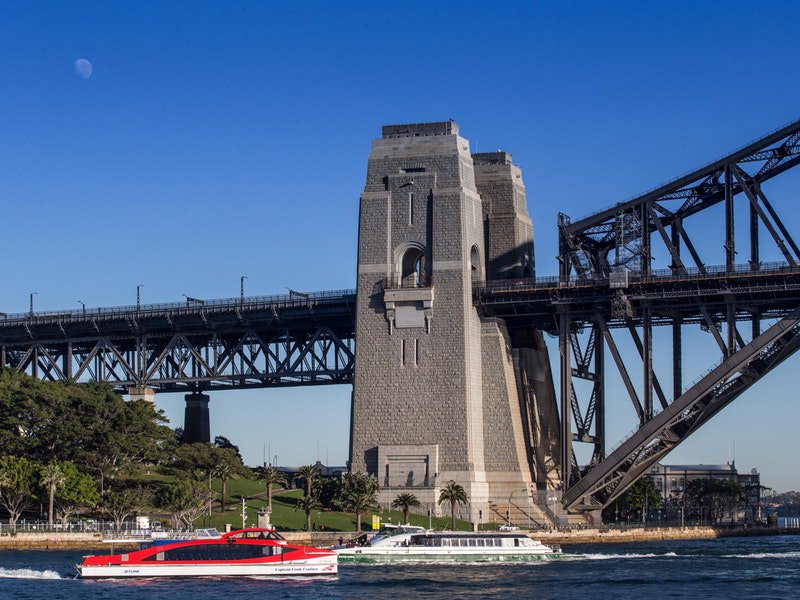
x=749, y=568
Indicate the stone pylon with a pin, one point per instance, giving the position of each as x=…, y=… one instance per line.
x=441, y=394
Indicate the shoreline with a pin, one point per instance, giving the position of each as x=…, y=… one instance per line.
x=93, y=541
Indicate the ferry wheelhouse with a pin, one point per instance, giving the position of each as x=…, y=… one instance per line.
x=448, y=546
x=243, y=552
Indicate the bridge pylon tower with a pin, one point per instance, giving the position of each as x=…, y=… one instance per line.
x=441, y=394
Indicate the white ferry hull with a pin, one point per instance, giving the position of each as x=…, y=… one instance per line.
x=322, y=566
x=373, y=555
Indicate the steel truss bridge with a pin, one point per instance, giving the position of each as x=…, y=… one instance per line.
x=610, y=280
x=622, y=272
x=297, y=339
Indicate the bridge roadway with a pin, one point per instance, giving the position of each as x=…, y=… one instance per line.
x=308, y=339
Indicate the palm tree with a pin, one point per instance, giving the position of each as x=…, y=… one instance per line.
x=307, y=504
x=360, y=502
x=52, y=477
x=224, y=471
x=271, y=476
x=453, y=493
x=406, y=502
x=309, y=474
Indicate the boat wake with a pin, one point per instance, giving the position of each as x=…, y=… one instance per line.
x=28, y=574
x=764, y=555
x=626, y=556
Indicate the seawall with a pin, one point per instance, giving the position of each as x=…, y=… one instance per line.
x=93, y=541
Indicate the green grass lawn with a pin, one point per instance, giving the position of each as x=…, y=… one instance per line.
x=285, y=518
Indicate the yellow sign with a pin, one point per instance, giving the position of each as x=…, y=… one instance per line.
x=376, y=522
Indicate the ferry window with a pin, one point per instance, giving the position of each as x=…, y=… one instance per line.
x=481, y=542
x=224, y=551
x=473, y=542
x=516, y=542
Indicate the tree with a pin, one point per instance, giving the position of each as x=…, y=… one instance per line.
x=714, y=497
x=307, y=504
x=271, y=476
x=17, y=480
x=184, y=500
x=307, y=475
x=223, y=442
x=641, y=497
x=454, y=494
x=358, y=503
x=88, y=424
x=122, y=503
x=51, y=478
x=227, y=467
x=329, y=492
x=406, y=502
x=78, y=492
x=359, y=482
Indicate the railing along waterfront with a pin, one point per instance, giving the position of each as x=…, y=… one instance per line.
x=193, y=306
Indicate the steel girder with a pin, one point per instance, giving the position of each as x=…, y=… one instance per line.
x=604, y=482
x=607, y=280
x=585, y=245
x=187, y=362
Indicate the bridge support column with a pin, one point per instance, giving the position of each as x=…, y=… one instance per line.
x=142, y=393
x=196, y=422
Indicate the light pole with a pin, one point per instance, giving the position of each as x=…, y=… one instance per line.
x=508, y=512
x=83, y=306
x=102, y=487
x=31, y=304
x=139, y=296
x=241, y=289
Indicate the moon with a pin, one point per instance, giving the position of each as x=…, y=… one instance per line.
x=83, y=68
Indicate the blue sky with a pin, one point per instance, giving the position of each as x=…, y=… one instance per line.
x=218, y=139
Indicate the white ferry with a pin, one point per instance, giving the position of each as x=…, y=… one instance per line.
x=417, y=544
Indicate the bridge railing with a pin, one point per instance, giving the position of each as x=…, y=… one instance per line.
x=657, y=275
x=190, y=306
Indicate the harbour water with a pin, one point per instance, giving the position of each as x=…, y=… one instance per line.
x=752, y=568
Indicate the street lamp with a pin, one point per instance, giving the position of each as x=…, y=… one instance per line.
x=83, y=305
x=139, y=296
x=241, y=289
x=32, y=295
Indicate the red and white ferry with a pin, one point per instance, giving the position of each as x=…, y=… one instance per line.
x=243, y=552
